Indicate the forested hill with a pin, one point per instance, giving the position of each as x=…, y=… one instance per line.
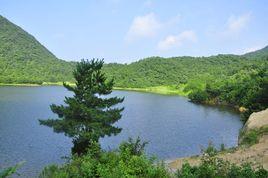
x=24, y=60
x=156, y=71
x=223, y=79
x=262, y=53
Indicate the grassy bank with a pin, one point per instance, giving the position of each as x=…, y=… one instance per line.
x=57, y=83
x=167, y=90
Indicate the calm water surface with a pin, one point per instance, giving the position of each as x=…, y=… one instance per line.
x=173, y=126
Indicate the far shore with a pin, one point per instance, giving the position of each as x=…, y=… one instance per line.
x=166, y=90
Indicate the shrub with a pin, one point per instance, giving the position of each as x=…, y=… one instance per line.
x=9, y=171
x=128, y=161
x=211, y=166
x=131, y=162
x=222, y=147
x=198, y=96
x=252, y=136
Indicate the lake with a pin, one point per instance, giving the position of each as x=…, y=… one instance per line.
x=173, y=126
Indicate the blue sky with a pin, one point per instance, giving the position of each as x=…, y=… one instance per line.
x=125, y=31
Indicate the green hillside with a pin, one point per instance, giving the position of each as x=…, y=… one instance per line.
x=24, y=60
x=262, y=53
x=223, y=79
x=156, y=71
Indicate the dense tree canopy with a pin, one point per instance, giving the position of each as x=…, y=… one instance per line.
x=247, y=88
x=156, y=71
x=224, y=79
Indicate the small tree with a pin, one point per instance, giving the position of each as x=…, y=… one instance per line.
x=87, y=116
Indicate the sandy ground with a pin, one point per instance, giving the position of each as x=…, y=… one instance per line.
x=256, y=154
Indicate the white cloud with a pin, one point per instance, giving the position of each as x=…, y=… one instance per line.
x=177, y=40
x=143, y=26
x=237, y=23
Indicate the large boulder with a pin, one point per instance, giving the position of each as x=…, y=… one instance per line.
x=255, y=127
x=257, y=120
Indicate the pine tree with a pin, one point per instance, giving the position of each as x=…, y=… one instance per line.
x=88, y=115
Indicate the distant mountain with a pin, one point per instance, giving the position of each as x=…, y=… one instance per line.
x=24, y=60
x=262, y=53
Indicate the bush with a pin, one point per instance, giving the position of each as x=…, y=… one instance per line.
x=128, y=161
x=212, y=166
x=135, y=147
x=223, y=147
x=252, y=136
x=9, y=171
x=198, y=96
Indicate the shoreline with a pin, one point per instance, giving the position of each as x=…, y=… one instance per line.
x=165, y=90
x=35, y=85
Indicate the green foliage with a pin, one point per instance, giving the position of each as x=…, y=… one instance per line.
x=135, y=147
x=252, y=136
x=125, y=162
x=210, y=150
x=222, y=147
x=248, y=87
x=87, y=115
x=198, y=96
x=110, y=164
x=222, y=79
x=211, y=167
x=194, y=71
x=9, y=171
x=262, y=53
x=167, y=90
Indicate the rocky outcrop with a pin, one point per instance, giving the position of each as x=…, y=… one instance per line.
x=256, y=124
x=257, y=120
